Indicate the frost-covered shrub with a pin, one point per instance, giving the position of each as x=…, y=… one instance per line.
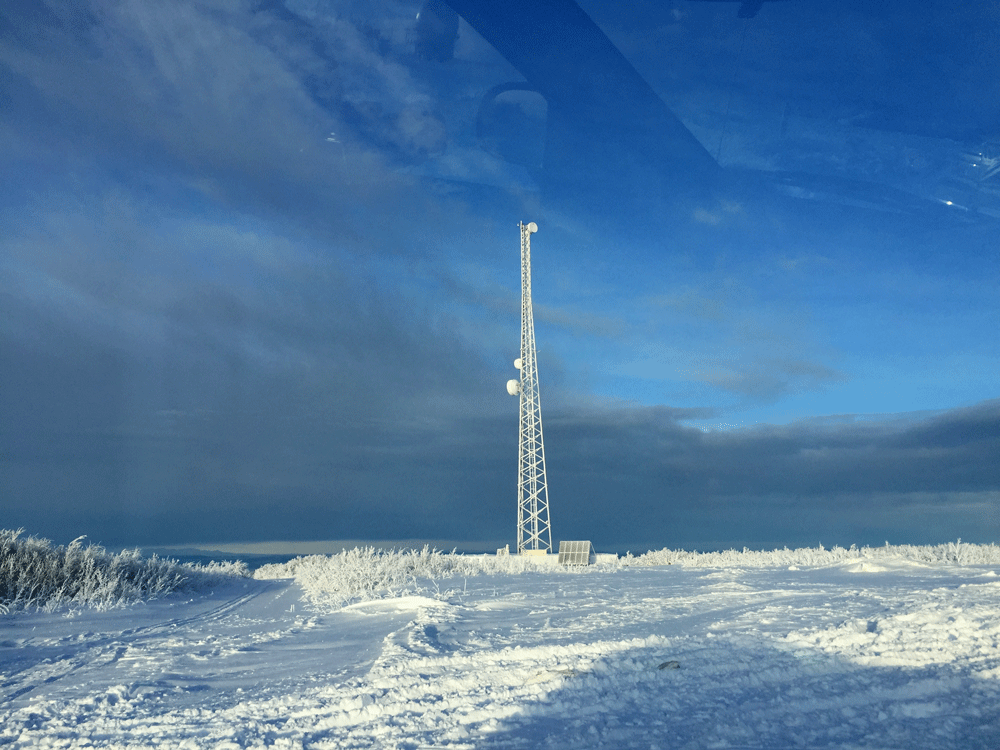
x=34, y=574
x=363, y=574
x=207, y=572
x=954, y=552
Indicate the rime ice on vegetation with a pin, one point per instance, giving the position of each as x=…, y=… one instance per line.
x=34, y=574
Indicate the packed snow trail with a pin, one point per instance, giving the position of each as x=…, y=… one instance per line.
x=858, y=654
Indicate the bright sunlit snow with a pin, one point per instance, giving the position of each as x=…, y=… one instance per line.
x=886, y=648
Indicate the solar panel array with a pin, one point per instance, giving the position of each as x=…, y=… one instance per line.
x=575, y=553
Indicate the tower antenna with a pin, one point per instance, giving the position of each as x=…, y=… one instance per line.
x=533, y=530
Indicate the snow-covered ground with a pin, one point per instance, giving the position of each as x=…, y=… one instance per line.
x=862, y=652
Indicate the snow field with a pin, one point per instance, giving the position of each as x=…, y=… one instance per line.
x=873, y=652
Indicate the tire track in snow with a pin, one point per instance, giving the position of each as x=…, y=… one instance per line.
x=99, y=655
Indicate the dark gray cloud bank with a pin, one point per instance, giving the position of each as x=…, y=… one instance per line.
x=840, y=481
x=216, y=325
x=264, y=456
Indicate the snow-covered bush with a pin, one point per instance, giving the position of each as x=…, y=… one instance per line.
x=34, y=574
x=364, y=574
x=958, y=553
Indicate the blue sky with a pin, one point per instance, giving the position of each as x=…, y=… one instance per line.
x=259, y=270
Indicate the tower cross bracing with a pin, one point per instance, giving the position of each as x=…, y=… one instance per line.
x=533, y=529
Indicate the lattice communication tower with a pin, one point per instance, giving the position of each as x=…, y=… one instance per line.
x=533, y=530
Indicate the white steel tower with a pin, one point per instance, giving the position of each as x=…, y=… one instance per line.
x=533, y=530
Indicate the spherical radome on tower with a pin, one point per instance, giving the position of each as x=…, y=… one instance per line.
x=532, y=227
x=513, y=387
x=517, y=363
